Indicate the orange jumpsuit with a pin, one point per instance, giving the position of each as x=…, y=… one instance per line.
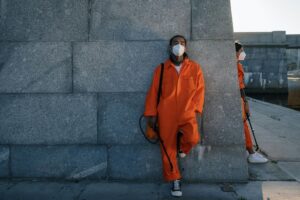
x=246, y=128
x=182, y=96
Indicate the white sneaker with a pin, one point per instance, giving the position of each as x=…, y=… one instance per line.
x=176, y=189
x=181, y=154
x=257, y=158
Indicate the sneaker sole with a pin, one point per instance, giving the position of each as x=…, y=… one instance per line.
x=176, y=193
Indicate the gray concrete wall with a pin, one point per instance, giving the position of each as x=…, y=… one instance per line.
x=293, y=52
x=270, y=56
x=73, y=79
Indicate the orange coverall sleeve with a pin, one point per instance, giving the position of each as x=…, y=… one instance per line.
x=198, y=99
x=241, y=76
x=151, y=98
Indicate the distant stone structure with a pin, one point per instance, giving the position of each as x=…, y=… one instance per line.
x=270, y=55
x=73, y=78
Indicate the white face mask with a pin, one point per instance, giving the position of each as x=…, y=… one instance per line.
x=178, y=50
x=242, y=56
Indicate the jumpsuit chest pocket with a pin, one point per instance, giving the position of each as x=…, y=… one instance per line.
x=188, y=83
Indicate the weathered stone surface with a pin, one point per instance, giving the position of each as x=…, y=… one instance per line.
x=118, y=118
x=252, y=38
x=4, y=161
x=146, y=164
x=140, y=19
x=120, y=191
x=134, y=162
x=109, y=66
x=48, y=118
x=68, y=162
x=218, y=163
x=274, y=66
x=253, y=65
x=48, y=20
x=35, y=67
x=222, y=111
x=211, y=19
x=279, y=36
x=255, y=52
x=276, y=53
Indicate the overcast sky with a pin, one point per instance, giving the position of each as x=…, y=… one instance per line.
x=266, y=15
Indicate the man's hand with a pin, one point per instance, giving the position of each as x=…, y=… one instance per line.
x=152, y=120
x=199, y=120
x=246, y=106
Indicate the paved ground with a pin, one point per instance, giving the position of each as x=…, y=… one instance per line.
x=278, y=132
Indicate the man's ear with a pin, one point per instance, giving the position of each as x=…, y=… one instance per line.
x=170, y=48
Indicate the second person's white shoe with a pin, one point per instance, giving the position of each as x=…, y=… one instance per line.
x=257, y=158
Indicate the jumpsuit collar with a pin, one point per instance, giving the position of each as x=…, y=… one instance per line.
x=170, y=64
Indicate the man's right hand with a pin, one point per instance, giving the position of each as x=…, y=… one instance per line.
x=152, y=120
x=246, y=106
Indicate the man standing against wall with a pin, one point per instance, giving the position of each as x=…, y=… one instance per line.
x=179, y=110
x=254, y=157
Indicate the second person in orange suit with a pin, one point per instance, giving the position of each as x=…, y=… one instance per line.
x=179, y=109
x=254, y=157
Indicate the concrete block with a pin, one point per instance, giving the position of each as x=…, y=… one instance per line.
x=279, y=36
x=217, y=59
x=118, y=118
x=48, y=119
x=4, y=161
x=35, y=67
x=206, y=24
x=109, y=66
x=253, y=65
x=274, y=65
x=222, y=120
x=48, y=20
x=146, y=164
x=134, y=162
x=140, y=19
x=276, y=53
x=293, y=40
x=219, y=163
x=222, y=114
x=251, y=38
x=255, y=52
x=67, y=162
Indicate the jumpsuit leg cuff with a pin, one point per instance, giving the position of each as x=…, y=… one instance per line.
x=172, y=177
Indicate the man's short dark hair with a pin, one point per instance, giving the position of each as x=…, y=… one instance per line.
x=175, y=36
x=238, y=46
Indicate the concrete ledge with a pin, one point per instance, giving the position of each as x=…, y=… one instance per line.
x=48, y=119
x=4, y=161
x=67, y=162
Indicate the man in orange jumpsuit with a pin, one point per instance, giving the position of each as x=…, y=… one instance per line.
x=179, y=109
x=254, y=157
